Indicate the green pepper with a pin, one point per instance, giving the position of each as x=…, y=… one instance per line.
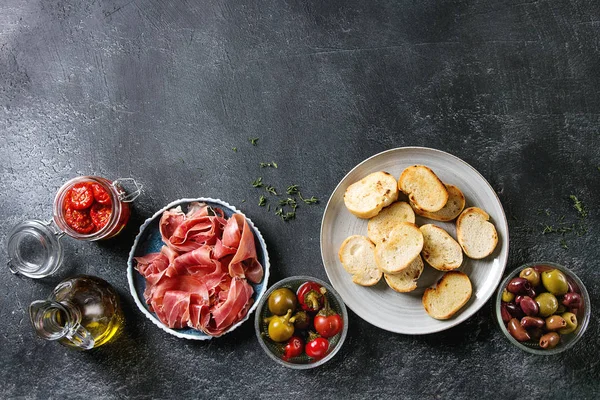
x=281, y=328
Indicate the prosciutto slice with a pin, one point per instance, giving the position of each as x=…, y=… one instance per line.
x=245, y=263
x=234, y=308
x=200, y=277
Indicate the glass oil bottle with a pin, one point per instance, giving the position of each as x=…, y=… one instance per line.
x=82, y=312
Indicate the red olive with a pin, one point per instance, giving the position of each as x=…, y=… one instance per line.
x=572, y=287
x=515, y=310
x=519, y=298
x=549, y=340
x=536, y=333
x=532, y=322
x=518, y=286
x=504, y=313
x=572, y=300
x=529, y=306
x=517, y=331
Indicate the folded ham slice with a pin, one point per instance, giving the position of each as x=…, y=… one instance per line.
x=200, y=277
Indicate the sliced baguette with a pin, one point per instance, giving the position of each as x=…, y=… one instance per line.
x=406, y=281
x=357, y=254
x=383, y=223
x=476, y=235
x=402, y=246
x=423, y=188
x=440, y=250
x=368, y=196
x=452, y=208
x=452, y=292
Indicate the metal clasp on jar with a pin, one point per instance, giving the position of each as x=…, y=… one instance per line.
x=128, y=189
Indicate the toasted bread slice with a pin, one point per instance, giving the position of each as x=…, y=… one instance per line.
x=440, y=250
x=452, y=292
x=368, y=196
x=406, y=281
x=402, y=246
x=423, y=188
x=382, y=224
x=476, y=235
x=357, y=254
x=452, y=208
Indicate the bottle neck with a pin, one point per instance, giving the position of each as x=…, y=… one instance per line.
x=53, y=321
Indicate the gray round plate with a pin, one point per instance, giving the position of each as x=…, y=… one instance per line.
x=404, y=312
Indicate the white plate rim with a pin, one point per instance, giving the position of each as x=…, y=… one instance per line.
x=151, y=316
x=464, y=314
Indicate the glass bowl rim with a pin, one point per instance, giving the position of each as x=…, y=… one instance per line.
x=582, y=324
x=257, y=322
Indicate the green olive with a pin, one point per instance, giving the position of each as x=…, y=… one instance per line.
x=282, y=300
x=548, y=304
x=571, y=320
x=555, y=282
x=507, y=296
x=531, y=275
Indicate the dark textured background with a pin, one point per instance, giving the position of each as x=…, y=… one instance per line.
x=163, y=90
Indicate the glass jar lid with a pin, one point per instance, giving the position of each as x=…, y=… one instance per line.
x=34, y=249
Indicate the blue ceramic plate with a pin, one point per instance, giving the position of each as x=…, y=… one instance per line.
x=150, y=241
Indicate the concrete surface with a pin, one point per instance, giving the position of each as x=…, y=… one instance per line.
x=163, y=91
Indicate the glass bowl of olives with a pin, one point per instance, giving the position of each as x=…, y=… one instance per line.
x=542, y=308
x=301, y=322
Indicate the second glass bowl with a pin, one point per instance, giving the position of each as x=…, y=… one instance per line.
x=583, y=313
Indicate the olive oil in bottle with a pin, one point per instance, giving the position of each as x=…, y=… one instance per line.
x=82, y=312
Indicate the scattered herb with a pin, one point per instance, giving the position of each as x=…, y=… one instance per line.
x=269, y=207
x=579, y=206
x=312, y=200
x=243, y=201
x=254, y=141
x=257, y=182
x=548, y=229
x=289, y=215
x=271, y=190
x=269, y=164
x=234, y=149
x=289, y=202
x=262, y=201
x=293, y=189
x=286, y=216
x=563, y=244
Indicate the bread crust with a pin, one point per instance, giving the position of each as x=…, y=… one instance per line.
x=367, y=197
x=476, y=235
x=406, y=281
x=452, y=209
x=402, y=246
x=423, y=187
x=432, y=295
x=357, y=255
x=440, y=250
x=383, y=223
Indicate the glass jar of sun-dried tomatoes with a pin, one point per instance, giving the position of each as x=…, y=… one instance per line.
x=91, y=208
x=85, y=208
